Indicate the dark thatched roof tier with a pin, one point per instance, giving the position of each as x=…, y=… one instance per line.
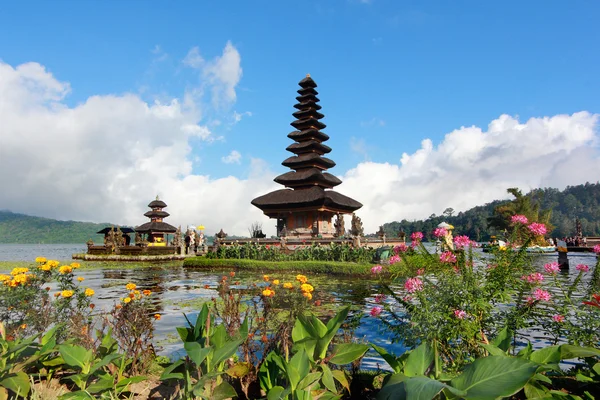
x=313, y=198
x=307, y=82
x=308, y=123
x=156, y=214
x=310, y=113
x=158, y=227
x=308, y=160
x=157, y=204
x=308, y=134
x=308, y=146
x=302, y=106
x=307, y=98
x=305, y=91
x=124, y=229
x=307, y=177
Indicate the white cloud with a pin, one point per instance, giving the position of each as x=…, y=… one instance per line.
x=106, y=158
x=193, y=59
x=237, y=117
x=233, y=157
x=360, y=147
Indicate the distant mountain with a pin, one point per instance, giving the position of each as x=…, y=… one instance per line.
x=582, y=201
x=21, y=228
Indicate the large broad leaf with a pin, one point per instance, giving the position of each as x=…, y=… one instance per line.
x=534, y=390
x=17, y=382
x=309, y=380
x=223, y=391
x=309, y=345
x=503, y=339
x=103, y=383
x=196, y=352
x=423, y=388
x=526, y=351
x=104, y=362
x=389, y=358
x=419, y=360
x=78, y=395
x=297, y=368
x=336, y=322
x=493, y=350
x=122, y=385
x=550, y=354
x=239, y=370
x=277, y=393
x=393, y=387
x=345, y=353
x=270, y=370
x=224, y=352
x=168, y=372
x=218, y=336
x=494, y=376
x=76, y=356
x=568, y=351
x=328, y=381
x=340, y=376
x=308, y=327
x=201, y=322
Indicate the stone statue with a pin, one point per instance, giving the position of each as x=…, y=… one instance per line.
x=578, y=230
x=402, y=235
x=381, y=233
x=138, y=239
x=283, y=232
x=177, y=238
x=357, y=226
x=89, y=243
x=340, y=229
x=119, y=238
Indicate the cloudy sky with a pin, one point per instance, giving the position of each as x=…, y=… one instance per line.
x=104, y=105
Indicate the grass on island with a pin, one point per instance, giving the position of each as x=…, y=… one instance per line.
x=9, y=265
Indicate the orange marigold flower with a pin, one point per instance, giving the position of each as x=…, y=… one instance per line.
x=56, y=294
x=66, y=293
x=131, y=295
x=317, y=303
x=232, y=274
x=75, y=265
x=53, y=263
x=136, y=292
x=268, y=292
x=45, y=267
x=65, y=269
x=276, y=282
x=21, y=279
x=89, y=292
x=264, y=338
x=147, y=292
x=47, y=288
x=40, y=260
x=80, y=278
x=127, y=300
x=307, y=288
x=130, y=286
x=92, y=306
x=307, y=295
x=288, y=285
x=4, y=278
x=118, y=306
x=266, y=278
x=19, y=271
x=206, y=286
x=301, y=278
x=13, y=283
x=157, y=317
x=23, y=326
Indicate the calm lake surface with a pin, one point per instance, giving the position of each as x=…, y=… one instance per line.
x=178, y=290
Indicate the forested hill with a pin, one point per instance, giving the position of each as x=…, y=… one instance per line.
x=582, y=201
x=20, y=228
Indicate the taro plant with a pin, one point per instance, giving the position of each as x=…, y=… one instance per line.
x=209, y=356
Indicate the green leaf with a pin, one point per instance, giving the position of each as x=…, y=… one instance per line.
x=424, y=388
x=196, y=352
x=53, y=362
x=201, y=320
x=78, y=395
x=493, y=350
x=340, y=376
x=223, y=391
x=419, y=360
x=526, y=351
x=503, y=339
x=550, y=354
x=124, y=383
x=328, y=378
x=168, y=372
x=104, y=382
x=17, y=382
x=568, y=351
x=102, y=363
x=76, y=356
x=542, y=378
x=239, y=370
x=309, y=380
x=224, y=352
x=533, y=390
x=583, y=378
x=185, y=334
x=393, y=387
x=218, y=336
x=389, y=358
x=276, y=393
x=297, y=368
x=270, y=370
x=494, y=376
x=336, y=322
x=345, y=353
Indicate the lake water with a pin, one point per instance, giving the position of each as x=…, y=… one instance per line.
x=178, y=290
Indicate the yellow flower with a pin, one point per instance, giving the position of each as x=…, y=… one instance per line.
x=18, y=271
x=89, y=292
x=53, y=263
x=276, y=282
x=65, y=269
x=13, y=283
x=66, y=293
x=40, y=260
x=301, y=278
x=136, y=292
x=288, y=285
x=130, y=286
x=157, y=317
x=266, y=278
x=268, y=292
x=75, y=265
x=126, y=300
x=21, y=278
x=80, y=278
x=24, y=326
x=4, y=278
x=45, y=267
x=307, y=295
x=146, y=292
x=306, y=288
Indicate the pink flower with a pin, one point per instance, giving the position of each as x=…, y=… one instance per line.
x=597, y=249
x=518, y=219
x=462, y=241
x=448, y=257
x=537, y=229
x=394, y=259
x=552, y=268
x=413, y=285
x=401, y=248
x=558, y=318
x=416, y=236
x=376, y=269
x=420, y=271
x=460, y=314
x=380, y=298
x=541, y=295
x=533, y=278
x=375, y=311
x=407, y=298
x=582, y=268
x=440, y=232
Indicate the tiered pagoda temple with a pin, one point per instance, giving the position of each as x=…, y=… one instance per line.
x=156, y=229
x=304, y=209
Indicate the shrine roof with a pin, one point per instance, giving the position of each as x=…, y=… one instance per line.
x=314, y=197
x=160, y=227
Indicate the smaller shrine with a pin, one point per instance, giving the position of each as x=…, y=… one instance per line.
x=156, y=230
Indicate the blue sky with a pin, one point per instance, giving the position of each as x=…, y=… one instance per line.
x=390, y=73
